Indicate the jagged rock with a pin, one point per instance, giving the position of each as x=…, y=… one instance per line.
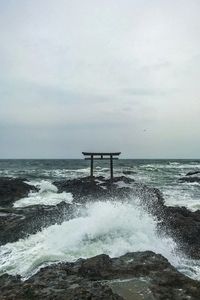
x=16, y=223
x=190, y=179
x=79, y=187
x=91, y=278
x=182, y=224
x=129, y=172
x=192, y=173
x=79, y=280
x=13, y=189
x=86, y=188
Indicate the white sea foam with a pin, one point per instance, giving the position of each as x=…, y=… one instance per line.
x=103, y=227
x=47, y=195
x=122, y=184
x=183, y=197
x=174, y=163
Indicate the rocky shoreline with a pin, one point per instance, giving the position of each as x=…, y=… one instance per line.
x=74, y=281
x=99, y=277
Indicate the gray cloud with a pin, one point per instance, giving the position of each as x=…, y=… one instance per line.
x=146, y=92
x=78, y=74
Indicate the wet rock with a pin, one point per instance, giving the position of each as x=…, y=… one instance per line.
x=79, y=280
x=184, y=226
x=91, y=278
x=190, y=179
x=16, y=223
x=84, y=189
x=180, y=223
x=79, y=187
x=123, y=179
x=192, y=173
x=127, y=172
x=13, y=189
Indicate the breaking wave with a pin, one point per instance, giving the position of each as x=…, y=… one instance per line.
x=47, y=195
x=114, y=228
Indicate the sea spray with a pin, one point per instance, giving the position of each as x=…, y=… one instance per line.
x=47, y=195
x=114, y=228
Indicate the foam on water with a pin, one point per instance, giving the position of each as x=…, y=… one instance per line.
x=47, y=195
x=106, y=227
x=114, y=228
x=187, y=196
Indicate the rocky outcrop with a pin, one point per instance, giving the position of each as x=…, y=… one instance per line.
x=129, y=172
x=184, y=226
x=13, y=189
x=18, y=223
x=97, y=278
x=192, y=173
x=190, y=179
x=178, y=222
x=50, y=287
x=84, y=189
x=93, y=278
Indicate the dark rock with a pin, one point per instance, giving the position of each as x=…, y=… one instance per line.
x=90, y=279
x=182, y=224
x=80, y=187
x=84, y=189
x=192, y=173
x=124, y=179
x=127, y=172
x=190, y=179
x=13, y=189
x=16, y=223
x=179, y=222
x=79, y=280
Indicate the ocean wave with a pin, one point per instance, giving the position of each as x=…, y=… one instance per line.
x=109, y=227
x=47, y=195
x=180, y=197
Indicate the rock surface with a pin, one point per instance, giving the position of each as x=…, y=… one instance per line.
x=192, y=173
x=85, y=188
x=91, y=278
x=180, y=223
x=191, y=177
x=13, y=189
x=16, y=223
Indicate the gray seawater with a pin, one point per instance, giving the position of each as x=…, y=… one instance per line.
x=107, y=227
x=163, y=174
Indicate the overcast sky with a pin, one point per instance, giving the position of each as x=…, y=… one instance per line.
x=106, y=75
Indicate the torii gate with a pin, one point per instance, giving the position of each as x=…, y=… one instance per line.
x=101, y=156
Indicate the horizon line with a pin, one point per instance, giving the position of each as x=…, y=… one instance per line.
x=82, y=158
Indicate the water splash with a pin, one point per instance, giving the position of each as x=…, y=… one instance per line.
x=47, y=195
x=114, y=228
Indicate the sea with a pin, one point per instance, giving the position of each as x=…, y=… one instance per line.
x=108, y=226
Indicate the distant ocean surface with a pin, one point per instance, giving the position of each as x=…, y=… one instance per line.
x=106, y=226
x=162, y=174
